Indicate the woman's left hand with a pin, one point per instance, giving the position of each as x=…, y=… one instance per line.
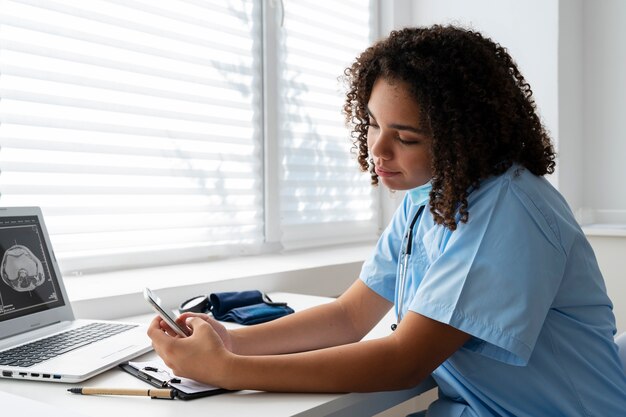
x=201, y=356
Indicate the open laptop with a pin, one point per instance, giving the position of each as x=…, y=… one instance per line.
x=39, y=337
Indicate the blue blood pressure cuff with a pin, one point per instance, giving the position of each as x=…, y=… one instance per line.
x=243, y=307
x=246, y=307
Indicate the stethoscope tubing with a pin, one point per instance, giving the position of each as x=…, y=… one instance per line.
x=404, y=264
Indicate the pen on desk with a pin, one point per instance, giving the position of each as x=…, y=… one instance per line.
x=166, y=393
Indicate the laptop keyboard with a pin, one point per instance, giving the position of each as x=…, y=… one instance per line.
x=50, y=347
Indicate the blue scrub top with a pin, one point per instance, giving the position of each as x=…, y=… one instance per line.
x=522, y=280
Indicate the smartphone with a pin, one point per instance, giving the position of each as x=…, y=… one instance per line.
x=155, y=302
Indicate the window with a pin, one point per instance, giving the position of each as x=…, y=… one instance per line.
x=153, y=132
x=324, y=195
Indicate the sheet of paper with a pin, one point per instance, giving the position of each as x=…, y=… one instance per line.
x=165, y=374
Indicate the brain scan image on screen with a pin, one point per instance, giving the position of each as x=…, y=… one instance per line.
x=21, y=269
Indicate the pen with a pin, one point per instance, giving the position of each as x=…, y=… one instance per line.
x=152, y=393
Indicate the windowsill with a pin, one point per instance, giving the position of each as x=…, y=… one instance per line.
x=601, y=229
x=327, y=272
x=602, y=222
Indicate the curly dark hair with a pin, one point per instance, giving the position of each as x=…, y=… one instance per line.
x=476, y=103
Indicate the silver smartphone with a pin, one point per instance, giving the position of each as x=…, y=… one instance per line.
x=155, y=302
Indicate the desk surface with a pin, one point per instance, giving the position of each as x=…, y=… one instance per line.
x=240, y=403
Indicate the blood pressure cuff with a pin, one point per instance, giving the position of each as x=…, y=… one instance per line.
x=246, y=307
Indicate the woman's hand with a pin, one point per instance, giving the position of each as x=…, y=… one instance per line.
x=202, y=356
x=223, y=333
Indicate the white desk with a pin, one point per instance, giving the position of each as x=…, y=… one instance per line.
x=242, y=403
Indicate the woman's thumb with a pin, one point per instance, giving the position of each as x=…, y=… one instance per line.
x=193, y=321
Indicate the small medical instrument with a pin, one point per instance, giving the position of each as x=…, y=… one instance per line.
x=197, y=304
x=404, y=261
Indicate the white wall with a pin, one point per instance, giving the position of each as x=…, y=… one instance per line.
x=604, y=48
x=604, y=143
x=570, y=94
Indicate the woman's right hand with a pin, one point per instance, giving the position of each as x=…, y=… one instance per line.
x=219, y=328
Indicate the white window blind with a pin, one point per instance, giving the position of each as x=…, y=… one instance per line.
x=135, y=125
x=324, y=196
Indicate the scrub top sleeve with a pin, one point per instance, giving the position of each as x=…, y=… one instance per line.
x=380, y=269
x=497, y=275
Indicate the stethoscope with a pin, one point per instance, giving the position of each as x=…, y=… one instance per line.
x=404, y=263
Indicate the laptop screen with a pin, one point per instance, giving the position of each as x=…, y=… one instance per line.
x=29, y=283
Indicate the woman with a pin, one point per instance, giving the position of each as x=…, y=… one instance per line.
x=497, y=292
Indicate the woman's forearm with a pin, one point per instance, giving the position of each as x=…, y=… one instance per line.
x=314, y=328
x=373, y=365
x=341, y=321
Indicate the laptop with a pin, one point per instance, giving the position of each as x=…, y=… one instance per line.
x=40, y=339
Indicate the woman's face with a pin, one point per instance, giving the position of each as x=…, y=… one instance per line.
x=398, y=143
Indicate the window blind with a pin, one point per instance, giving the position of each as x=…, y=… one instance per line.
x=135, y=125
x=324, y=196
